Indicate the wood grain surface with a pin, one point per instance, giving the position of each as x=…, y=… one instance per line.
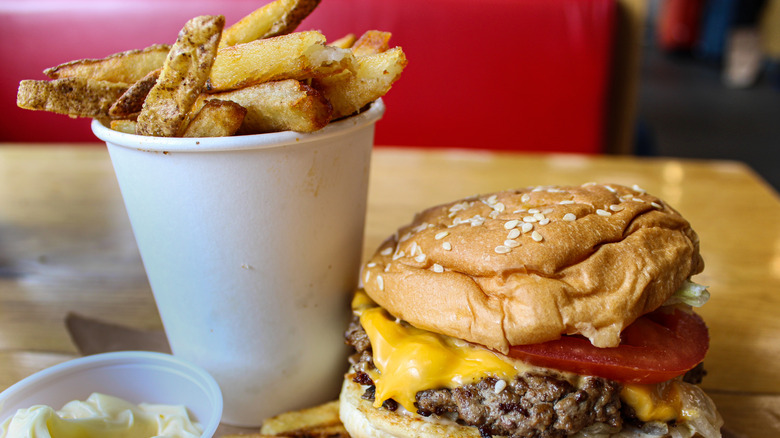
x=66, y=246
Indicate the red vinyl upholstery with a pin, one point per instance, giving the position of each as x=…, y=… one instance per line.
x=497, y=74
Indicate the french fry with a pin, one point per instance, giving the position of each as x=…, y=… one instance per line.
x=131, y=102
x=345, y=42
x=322, y=419
x=371, y=43
x=299, y=55
x=183, y=76
x=217, y=118
x=287, y=105
x=276, y=18
x=76, y=97
x=374, y=76
x=126, y=126
x=127, y=67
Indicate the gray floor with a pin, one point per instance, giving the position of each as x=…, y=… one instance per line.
x=686, y=111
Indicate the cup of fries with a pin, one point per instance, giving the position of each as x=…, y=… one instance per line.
x=252, y=246
x=243, y=156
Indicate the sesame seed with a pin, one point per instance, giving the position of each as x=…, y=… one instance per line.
x=527, y=227
x=420, y=258
x=611, y=189
x=533, y=210
x=656, y=205
x=477, y=221
x=441, y=235
x=511, y=243
x=539, y=216
x=638, y=189
x=458, y=207
x=601, y=212
x=438, y=268
x=525, y=198
x=570, y=217
x=398, y=255
x=405, y=237
x=500, y=207
x=492, y=199
x=511, y=224
x=368, y=275
x=529, y=219
x=387, y=251
x=513, y=234
x=616, y=207
x=447, y=246
x=500, y=386
x=566, y=202
x=544, y=221
x=638, y=200
x=494, y=214
x=370, y=264
x=547, y=211
x=501, y=249
x=380, y=282
x=420, y=227
x=536, y=236
x=413, y=249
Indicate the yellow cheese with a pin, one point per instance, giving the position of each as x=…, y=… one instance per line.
x=660, y=402
x=411, y=360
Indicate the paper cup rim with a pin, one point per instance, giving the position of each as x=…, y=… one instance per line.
x=237, y=142
x=195, y=374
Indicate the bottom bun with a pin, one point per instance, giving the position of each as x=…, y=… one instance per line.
x=363, y=420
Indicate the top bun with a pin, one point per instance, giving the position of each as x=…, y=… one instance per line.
x=527, y=266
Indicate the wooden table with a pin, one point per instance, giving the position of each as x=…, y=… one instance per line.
x=66, y=246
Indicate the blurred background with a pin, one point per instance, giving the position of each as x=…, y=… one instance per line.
x=677, y=78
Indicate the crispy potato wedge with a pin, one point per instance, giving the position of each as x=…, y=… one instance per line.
x=371, y=43
x=345, y=42
x=128, y=67
x=217, y=118
x=299, y=55
x=323, y=418
x=276, y=18
x=182, y=78
x=77, y=97
x=375, y=75
x=126, y=126
x=131, y=102
x=287, y=105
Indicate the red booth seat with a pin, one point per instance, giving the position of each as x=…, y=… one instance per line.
x=498, y=74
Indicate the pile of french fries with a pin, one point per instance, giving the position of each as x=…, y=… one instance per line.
x=256, y=76
x=320, y=421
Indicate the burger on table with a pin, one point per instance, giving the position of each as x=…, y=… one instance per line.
x=541, y=312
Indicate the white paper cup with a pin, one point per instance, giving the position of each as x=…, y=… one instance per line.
x=135, y=376
x=252, y=246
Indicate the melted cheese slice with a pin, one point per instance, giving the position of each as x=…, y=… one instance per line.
x=410, y=360
x=659, y=402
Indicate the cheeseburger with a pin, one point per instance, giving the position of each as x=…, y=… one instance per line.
x=542, y=312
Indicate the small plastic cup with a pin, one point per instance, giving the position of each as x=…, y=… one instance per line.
x=252, y=246
x=136, y=376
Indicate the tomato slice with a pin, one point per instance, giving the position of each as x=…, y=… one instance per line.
x=656, y=347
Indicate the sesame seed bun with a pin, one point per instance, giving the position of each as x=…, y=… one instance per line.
x=527, y=266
